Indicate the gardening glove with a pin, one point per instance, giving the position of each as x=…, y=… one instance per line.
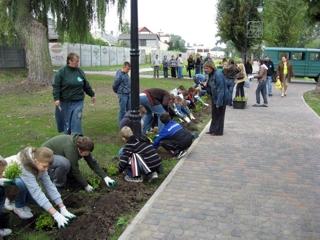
x=89, y=188
x=110, y=182
x=61, y=220
x=66, y=213
x=6, y=182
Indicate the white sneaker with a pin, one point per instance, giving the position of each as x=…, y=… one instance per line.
x=187, y=119
x=133, y=179
x=9, y=205
x=181, y=154
x=5, y=232
x=153, y=176
x=23, y=213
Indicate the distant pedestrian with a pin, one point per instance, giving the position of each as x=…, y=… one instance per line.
x=217, y=89
x=270, y=74
x=156, y=66
x=190, y=66
x=173, y=66
x=230, y=72
x=284, y=73
x=208, y=58
x=262, y=85
x=122, y=87
x=201, y=65
x=165, y=66
x=198, y=65
x=248, y=67
x=180, y=65
x=241, y=78
x=69, y=88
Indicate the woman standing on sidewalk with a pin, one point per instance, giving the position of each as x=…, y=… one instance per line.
x=284, y=73
x=217, y=89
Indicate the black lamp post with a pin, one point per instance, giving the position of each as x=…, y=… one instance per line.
x=134, y=59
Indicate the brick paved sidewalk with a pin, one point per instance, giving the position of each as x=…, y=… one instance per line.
x=261, y=180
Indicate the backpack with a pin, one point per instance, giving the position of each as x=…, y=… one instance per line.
x=115, y=87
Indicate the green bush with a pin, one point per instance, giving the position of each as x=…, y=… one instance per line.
x=94, y=181
x=12, y=171
x=44, y=222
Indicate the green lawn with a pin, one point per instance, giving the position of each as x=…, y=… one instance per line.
x=313, y=100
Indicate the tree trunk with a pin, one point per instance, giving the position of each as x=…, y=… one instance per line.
x=35, y=40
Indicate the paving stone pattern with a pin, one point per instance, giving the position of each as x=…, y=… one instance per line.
x=260, y=181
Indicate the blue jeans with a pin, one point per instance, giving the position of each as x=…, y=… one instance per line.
x=147, y=118
x=124, y=105
x=230, y=86
x=269, y=85
x=180, y=72
x=59, y=170
x=23, y=196
x=262, y=88
x=59, y=120
x=72, y=115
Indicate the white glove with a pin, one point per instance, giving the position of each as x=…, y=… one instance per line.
x=5, y=181
x=61, y=220
x=89, y=188
x=110, y=182
x=66, y=213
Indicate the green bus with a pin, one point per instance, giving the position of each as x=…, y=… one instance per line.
x=305, y=61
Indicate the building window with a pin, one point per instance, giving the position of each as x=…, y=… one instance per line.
x=143, y=42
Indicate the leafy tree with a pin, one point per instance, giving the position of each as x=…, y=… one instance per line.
x=286, y=23
x=232, y=19
x=125, y=27
x=313, y=10
x=27, y=20
x=176, y=43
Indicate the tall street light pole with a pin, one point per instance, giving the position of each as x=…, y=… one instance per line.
x=134, y=59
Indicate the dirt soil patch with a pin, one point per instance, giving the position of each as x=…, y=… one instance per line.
x=97, y=215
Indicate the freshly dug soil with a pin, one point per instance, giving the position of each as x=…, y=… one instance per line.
x=97, y=215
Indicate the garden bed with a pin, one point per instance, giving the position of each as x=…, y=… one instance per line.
x=105, y=213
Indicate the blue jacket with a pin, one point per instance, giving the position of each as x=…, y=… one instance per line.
x=167, y=131
x=122, y=83
x=217, y=89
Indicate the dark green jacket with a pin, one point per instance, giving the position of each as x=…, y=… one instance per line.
x=70, y=84
x=65, y=145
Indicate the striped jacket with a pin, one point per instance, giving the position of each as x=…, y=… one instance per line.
x=144, y=148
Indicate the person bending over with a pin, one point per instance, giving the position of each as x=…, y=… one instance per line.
x=173, y=137
x=147, y=162
x=68, y=150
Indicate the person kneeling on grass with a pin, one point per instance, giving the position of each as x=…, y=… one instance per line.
x=68, y=150
x=173, y=137
x=138, y=159
x=34, y=164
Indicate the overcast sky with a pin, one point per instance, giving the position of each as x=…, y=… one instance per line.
x=194, y=21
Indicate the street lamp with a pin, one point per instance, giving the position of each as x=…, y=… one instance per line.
x=134, y=59
x=260, y=8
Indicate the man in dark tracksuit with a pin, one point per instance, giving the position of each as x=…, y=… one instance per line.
x=173, y=137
